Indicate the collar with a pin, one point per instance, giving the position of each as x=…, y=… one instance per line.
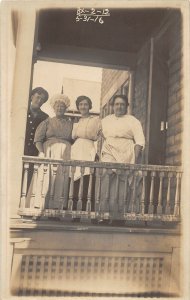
x=34, y=112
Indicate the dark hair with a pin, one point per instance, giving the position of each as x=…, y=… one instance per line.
x=80, y=98
x=124, y=97
x=40, y=91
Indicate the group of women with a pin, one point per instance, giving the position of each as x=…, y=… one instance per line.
x=58, y=138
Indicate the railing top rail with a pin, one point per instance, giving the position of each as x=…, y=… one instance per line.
x=90, y=164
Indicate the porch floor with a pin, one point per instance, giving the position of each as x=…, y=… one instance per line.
x=105, y=226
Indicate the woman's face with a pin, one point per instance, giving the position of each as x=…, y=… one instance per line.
x=119, y=107
x=59, y=108
x=84, y=107
x=37, y=100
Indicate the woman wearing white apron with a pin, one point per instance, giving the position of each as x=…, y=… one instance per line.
x=123, y=143
x=53, y=140
x=85, y=134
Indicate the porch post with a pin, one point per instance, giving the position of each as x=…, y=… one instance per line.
x=149, y=100
x=19, y=105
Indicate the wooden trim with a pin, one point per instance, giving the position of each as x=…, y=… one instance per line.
x=33, y=56
x=14, y=18
x=88, y=56
x=50, y=213
x=91, y=253
x=149, y=100
x=131, y=92
x=137, y=167
x=35, y=53
x=175, y=271
x=18, y=225
x=169, y=20
x=15, y=274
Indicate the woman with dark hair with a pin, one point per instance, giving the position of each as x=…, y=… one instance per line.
x=35, y=116
x=85, y=134
x=124, y=138
x=123, y=143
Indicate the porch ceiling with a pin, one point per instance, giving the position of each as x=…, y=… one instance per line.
x=125, y=30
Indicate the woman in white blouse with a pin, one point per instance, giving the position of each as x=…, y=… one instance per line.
x=123, y=143
x=85, y=134
x=124, y=138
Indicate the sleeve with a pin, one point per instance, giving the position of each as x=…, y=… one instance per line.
x=74, y=131
x=40, y=133
x=106, y=125
x=138, y=133
x=99, y=127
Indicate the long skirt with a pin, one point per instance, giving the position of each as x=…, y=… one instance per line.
x=83, y=149
x=118, y=194
x=50, y=185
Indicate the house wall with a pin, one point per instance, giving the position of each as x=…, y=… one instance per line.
x=170, y=35
x=175, y=94
x=111, y=81
x=140, y=101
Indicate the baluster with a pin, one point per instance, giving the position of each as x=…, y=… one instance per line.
x=80, y=198
x=107, y=195
x=89, y=196
x=159, y=207
x=133, y=206
x=168, y=210
x=71, y=190
x=33, y=194
x=151, y=204
x=52, y=185
x=44, y=186
x=24, y=186
x=142, y=208
x=116, y=196
x=177, y=194
x=63, y=200
x=125, y=191
x=98, y=191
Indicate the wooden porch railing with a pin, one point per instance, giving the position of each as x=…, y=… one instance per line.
x=122, y=191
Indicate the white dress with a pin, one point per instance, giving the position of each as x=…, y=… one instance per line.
x=121, y=135
x=85, y=134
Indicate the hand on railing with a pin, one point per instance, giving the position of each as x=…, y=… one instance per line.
x=97, y=157
x=41, y=155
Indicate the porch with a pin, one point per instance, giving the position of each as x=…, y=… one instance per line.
x=151, y=193
x=133, y=246
x=67, y=259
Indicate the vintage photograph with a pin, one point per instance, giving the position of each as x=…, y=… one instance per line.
x=97, y=168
